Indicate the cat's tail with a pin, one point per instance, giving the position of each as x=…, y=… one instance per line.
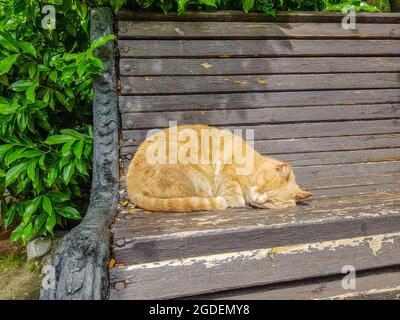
x=178, y=204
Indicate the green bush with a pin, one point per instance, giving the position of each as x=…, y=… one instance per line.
x=45, y=113
x=267, y=6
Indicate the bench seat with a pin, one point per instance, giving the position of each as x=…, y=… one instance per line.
x=323, y=98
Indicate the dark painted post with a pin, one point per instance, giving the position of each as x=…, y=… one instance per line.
x=81, y=261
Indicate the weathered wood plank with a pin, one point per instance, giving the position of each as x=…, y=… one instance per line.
x=140, y=238
x=341, y=157
x=178, y=278
x=261, y=83
x=336, y=192
x=294, y=130
x=322, y=183
x=133, y=222
x=331, y=157
x=229, y=118
x=257, y=48
x=339, y=186
x=354, y=169
x=335, y=180
x=249, y=30
x=256, y=100
x=239, y=16
x=282, y=146
x=223, y=66
x=377, y=284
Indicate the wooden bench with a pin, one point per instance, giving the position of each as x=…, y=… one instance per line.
x=323, y=98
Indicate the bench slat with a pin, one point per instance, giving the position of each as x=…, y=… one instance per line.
x=334, y=170
x=260, y=83
x=255, y=100
x=224, y=66
x=294, y=130
x=370, y=285
x=161, y=224
x=177, y=278
x=331, y=157
x=283, y=146
x=249, y=30
x=262, y=116
x=335, y=183
x=257, y=48
x=244, y=229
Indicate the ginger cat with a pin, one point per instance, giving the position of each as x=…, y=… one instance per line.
x=220, y=178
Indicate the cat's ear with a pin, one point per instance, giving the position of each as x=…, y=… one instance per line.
x=301, y=195
x=283, y=169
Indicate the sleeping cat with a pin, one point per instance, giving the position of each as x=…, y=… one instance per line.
x=194, y=184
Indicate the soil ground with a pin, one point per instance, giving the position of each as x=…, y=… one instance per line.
x=19, y=279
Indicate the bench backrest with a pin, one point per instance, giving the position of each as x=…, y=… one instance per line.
x=324, y=98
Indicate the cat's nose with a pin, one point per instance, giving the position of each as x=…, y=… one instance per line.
x=261, y=199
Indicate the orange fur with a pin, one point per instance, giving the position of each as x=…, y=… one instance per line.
x=212, y=186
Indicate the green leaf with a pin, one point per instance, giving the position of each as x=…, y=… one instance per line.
x=7, y=63
x=81, y=69
x=47, y=206
x=102, y=41
x=57, y=196
x=21, y=85
x=4, y=148
x=17, y=233
x=210, y=3
x=31, y=169
x=31, y=209
x=22, y=121
x=27, y=233
x=73, y=133
x=14, y=172
x=53, y=174
x=78, y=149
x=61, y=98
x=58, y=139
x=53, y=76
x=69, y=212
x=247, y=5
x=40, y=220
x=51, y=222
x=27, y=47
x=29, y=154
x=67, y=147
x=80, y=165
x=117, y=4
x=181, y=5
x=68, y=172
x=32, y=71
x=8, y=42
x=13, y=155
x=65, y=159
x=9, y=216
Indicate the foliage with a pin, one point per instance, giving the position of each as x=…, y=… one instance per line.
x=11, y=261
x=266, y=6
x=358, y=5
x=45, y=113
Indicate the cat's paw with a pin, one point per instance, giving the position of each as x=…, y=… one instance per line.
x=237, y=202
x=221, y=203
x=257, y=199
